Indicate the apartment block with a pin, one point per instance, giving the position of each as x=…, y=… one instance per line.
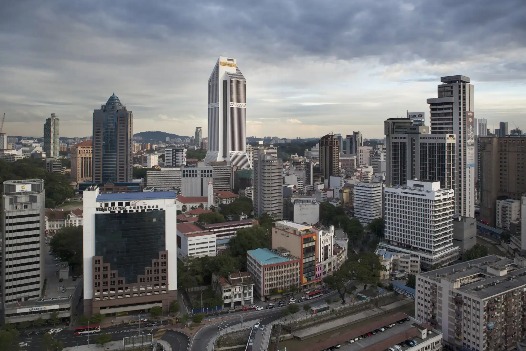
x=164, y=179
x=502, y=167
x=174, y=157
x=193, y=241
x=508, y=213
x=268, y=183
x=368, y=202
x=236, y=290
x=272, y=272
x=478, y=305
x=329, y=156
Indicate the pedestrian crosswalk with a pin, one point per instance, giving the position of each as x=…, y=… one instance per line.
x=159, y=333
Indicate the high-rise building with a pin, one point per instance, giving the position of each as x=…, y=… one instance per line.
x=112, y=143
x=329, y=156
x=452, y=112
x=508, y=212
x=481, y=127
x=195, y=180
x=503, y=129
x=164, y=179
x=419, y=220
x=227, y=102
x=21, y=231
x=222, y=176
x=51, y=136
x=412, y=153
x=478, y=304
x=418, y=118
x=198, y=138
x=3, y=141
x=502, y=164
x=82, y=162
x=174, y=157
x=368, y=202
x=129, y=251
x=268, y=183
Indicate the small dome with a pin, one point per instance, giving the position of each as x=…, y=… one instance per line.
x=113, y=103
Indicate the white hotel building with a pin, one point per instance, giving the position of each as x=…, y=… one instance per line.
x=419, y=220
x=368, y=201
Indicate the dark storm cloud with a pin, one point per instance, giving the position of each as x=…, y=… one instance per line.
x=160, y=53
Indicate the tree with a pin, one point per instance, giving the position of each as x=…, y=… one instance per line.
x=292, y=308
x=248, y=239
x=411, y=281
x=241, y=205
x=476, y=251
x=67, y=245
x=365, y=268
x=211, y=218
x=9, y=339
x=156, y=311
x=139, y=172
x=198, y=318
x=377, y=227
x=339, y=281
x=306, y=307
x=51, y=344
x=103, y=339
x=198, y=154
x=53, y=319
x=174, y=307
x=39, y=322
x=266, y=221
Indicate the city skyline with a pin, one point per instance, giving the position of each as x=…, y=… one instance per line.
x=313, y=69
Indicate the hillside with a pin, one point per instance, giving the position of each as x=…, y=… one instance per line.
x=156, y=136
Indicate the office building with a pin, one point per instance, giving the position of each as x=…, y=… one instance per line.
x=51, y=136
x=227, y=102
x=112, y=143
x=300, y=241
x=452, y=112
x=502, y=165
x=54, y=165
x=164, y=179
x=413, y=153
x=508, y=212
x=272, y=272
x=174, y=157
x=82, y=162
x=129, y=251
x=419, y=220
x=227, y=230
x=417, y=118
x=305, y=211
x=193, y=241
x=21, y=233
x=195, y=180
x=481, y=127
x=364, y=155
x=152, y=160
x=329, y=156
x=221, y=176
x=198, y=137
x=368, y=202
x=3, y=141
x=478, y=304
x=268, y=183
x=351, y=143
x=503, y=129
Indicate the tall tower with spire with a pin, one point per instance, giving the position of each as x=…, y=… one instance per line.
x=227, y=102
x=112, y=143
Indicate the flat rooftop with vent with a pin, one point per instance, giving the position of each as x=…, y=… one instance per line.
x=483, y=277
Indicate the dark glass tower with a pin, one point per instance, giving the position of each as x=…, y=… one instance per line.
x=112, y=142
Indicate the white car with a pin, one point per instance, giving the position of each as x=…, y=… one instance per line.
x=256, y=326
x=259, y=308
x=23, y=344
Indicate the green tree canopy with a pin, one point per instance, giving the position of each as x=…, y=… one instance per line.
x=249, y=239
x=198, y=154
x=197, y=318
x=103, y=339
x=476, y=251
x=9, y=339
x=156, y=311
x=377, y=227
x=241, y=205
x=411, y=281
x=211, y=218
x=67, y=245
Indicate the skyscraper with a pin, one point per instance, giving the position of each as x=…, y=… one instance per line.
x=329, y=156
x=112, y=143
x=198, y=136
x=21, y=233
x=51, y=136
x=227, y=104
x=481, y=127
x=82, y=162
x=503, y=128
x=452, y=112
x=3, y=141
x=268, y=183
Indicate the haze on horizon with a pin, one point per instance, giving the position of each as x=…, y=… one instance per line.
x=311, y=67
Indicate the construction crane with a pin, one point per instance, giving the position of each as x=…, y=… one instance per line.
x=2, y=124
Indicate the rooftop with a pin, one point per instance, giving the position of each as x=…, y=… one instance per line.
x=293, y=225
x=156, y=195
x=187, y=228
x=266, y=256
x=226, y=194
x=85, y=143
x=192, y=199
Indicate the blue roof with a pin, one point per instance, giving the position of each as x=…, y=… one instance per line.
x=266, y=256
x=155, y=195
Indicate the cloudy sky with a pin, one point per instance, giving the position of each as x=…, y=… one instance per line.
x=312, y=67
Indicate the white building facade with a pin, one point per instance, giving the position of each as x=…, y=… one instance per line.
x=507, y=212
x=419, y=219
x=193, y=241
x=368, y=201
x=306, y=210
x=194, y=180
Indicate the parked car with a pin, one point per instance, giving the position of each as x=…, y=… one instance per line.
x=259, y=308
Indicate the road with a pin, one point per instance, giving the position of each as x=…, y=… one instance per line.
x=177, y=340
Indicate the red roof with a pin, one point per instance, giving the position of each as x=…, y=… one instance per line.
x=187, y=228
x=183, y=218
x=77, y=212
x=85, y=143
x=226, y=194
x=192, y=199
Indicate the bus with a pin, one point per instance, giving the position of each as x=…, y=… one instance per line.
x=313, y=294
x=90, y=329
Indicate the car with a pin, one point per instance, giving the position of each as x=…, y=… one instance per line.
x=270, y=306
x=292, y=300
x=23, y=344
x=259, y=308
x=382, y=329
x=256, y=326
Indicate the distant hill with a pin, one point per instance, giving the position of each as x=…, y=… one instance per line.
x=157, y=136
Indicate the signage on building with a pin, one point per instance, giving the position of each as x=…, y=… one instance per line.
x=37, y=308
x=23, y=188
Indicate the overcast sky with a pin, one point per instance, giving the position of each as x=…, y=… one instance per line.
x=312, y=67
